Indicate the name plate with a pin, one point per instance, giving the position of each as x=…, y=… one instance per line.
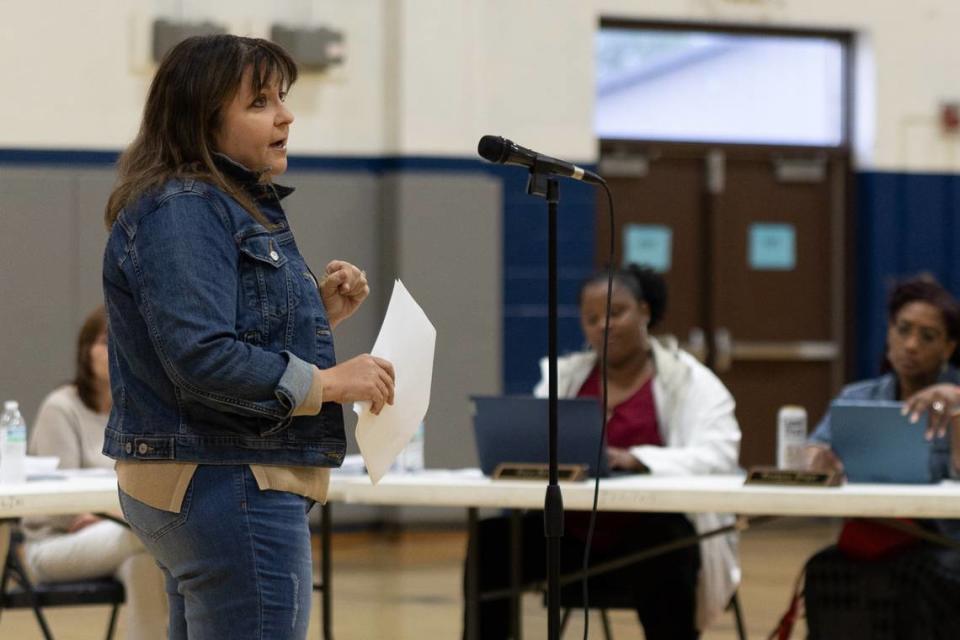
x=793, y=477
x=536, y=471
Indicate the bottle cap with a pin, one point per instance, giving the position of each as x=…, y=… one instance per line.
x=11, y=405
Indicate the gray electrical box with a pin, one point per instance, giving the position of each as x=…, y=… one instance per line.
x=315, y=49
x=168, y=33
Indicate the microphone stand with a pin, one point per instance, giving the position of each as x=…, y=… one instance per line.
x=541, y=184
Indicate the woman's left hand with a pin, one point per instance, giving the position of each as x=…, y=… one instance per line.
x=343, y=289
x=82, y=522
x=622, y=459
x=941, y=401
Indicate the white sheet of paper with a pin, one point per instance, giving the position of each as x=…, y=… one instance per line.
x=41, y=465
x=407, y=339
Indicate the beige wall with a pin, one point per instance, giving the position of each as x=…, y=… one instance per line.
x=429, y=77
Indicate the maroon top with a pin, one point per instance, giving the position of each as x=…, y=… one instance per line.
x=632, y=423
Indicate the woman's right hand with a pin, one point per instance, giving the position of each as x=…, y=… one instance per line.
x=364, y=378
x=821, y=458
x=941, y=401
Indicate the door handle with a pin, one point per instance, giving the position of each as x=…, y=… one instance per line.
x=799, y=350
x=722, y=350
x=728, y=350
x=697, y=344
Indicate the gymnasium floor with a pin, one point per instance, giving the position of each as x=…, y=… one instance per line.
x=407, y=586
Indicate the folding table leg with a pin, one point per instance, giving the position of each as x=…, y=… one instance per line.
x=326, y=573
x=516, y=573
x=473, y=576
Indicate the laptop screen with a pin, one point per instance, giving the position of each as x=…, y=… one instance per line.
x=512, y=429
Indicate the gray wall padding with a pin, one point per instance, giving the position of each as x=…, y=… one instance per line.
x=51, y=246
x=447, y=234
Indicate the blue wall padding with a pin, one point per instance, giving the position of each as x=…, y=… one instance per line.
x=905, y=225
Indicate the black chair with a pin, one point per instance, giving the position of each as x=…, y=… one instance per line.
x=618, y=599
x=17, y=591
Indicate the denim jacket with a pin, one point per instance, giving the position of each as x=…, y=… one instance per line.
x=215, y=322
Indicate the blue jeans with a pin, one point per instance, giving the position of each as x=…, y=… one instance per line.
x=236, y=559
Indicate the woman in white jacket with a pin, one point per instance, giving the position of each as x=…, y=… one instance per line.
x=668, y=415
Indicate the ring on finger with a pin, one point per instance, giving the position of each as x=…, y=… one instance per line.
x=938, y=406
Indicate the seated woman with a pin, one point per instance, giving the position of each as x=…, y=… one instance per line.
x=912, y=589
x=70, y=425
x=668, y=414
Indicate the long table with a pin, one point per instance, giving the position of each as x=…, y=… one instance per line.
x=59, y=497
x=469, y=489
x=648, y=493
x=630, y=493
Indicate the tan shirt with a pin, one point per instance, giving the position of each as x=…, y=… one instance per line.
x=162, y=485
x=68, y=429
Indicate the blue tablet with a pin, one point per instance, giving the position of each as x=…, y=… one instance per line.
x=515, y=429
x=878, y=444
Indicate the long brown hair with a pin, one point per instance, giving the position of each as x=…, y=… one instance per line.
x=86, y=382
x=183, y=113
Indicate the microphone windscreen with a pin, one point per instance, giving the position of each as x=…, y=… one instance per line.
x=492, y=148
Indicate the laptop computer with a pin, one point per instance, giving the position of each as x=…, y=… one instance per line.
x=514, y=429
x=878, y=444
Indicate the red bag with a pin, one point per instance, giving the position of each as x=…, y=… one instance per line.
x=872, y=539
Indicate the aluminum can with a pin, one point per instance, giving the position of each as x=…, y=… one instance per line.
x=791, y=436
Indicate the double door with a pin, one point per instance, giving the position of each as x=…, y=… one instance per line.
x=752, y=243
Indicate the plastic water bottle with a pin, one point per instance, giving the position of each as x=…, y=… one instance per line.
x=791, y=436
x=413, y=452
x=13, y=444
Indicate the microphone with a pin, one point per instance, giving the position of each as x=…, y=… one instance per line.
x=502, y=151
